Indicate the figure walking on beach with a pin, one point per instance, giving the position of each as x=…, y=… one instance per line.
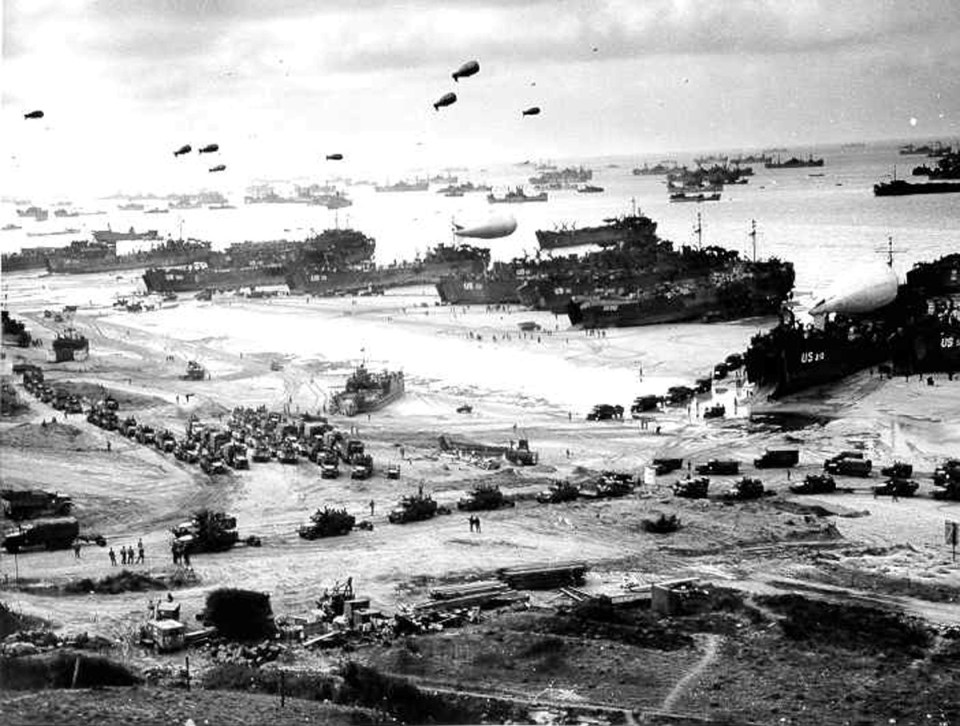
x=140, y=552
x=76, y=549
x=113, y=557
x=371, y=507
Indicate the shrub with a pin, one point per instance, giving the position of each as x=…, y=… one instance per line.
x=240, y=614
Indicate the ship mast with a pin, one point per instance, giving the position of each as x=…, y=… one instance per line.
x=753, y=237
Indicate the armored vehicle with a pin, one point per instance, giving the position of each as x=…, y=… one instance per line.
x=898, y=470
x=414, y=508
x=849, y=467
x=897, y=487
x=745, y=488
x=195, y=372
x=665, y=466
x=692, y=487
x=815, y=484
x=328, y=522
x=484, y=496
x=559, y=491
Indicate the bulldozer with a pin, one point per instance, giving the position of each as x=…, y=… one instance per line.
x=744, y=489
x=328, y=522
x=692, y=487
x=414, y=508
x=484, y=497
x=559, y=491
x=19, y=505
x=522, y=455
x=208, y=531
x=815, y=484
x=195, y=372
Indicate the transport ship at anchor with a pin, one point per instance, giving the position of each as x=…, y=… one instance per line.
x=614, y=231
x=911, y=328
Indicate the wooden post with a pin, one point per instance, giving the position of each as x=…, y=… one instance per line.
x=283, y=689
x=186, y=661
x=76, y=672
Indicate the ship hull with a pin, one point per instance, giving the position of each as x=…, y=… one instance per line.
x=602, y=236
x=192, y=280
x=477, y=291
x=901, y=189
x=73, y=266
x=330, y=283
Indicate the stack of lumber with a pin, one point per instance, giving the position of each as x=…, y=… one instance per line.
x=485, y=593
x=544, y=576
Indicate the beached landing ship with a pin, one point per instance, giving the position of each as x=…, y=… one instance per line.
x=911, y=328
x=366, y=392
x=70, y=345
x=724, y=287
x=101, y=256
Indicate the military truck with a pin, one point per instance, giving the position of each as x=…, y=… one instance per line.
x=484, y=497
x=145, y=434
x=328, y=522
x=393, y=471
x=777, y=458
x=744, y=489
x=643, y=404
x=692, y=487
x=718, y=410
x=849, y=467
x=362, y=467
x=815, y=484
x=897, y=487
x=288, y=454
x=677, y=395
x=948, y=472
x=559, y=491
x=605, y=412
x=165, y=441
x=32, y=503
x=207, y=531
x=898, y=470
x=665, y=466
x=719, y=467
x=57, y=533
x=235, y=454
x=212, y=464
x=414, y=508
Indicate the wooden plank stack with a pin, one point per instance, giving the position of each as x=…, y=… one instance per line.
x=544, y=576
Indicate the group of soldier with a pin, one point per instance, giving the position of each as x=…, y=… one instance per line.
x=127, y=555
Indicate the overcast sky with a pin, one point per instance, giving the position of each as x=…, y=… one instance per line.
x=280, y=83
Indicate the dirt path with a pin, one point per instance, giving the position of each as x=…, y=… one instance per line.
x=713, y=642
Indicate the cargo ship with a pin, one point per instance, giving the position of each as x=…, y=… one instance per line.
x=517, y=196
x=713, y=284
x=627, y=229
x=83, y=256
x=660, y=169
x=793, y=163
x=108, y=235
x=561, y=178
x=38, y=214
x=418, y=185
x=365, y=392
x=900, y=188
x=912, y=327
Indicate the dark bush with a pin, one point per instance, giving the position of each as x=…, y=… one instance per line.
x=240, y=614
x=56, y=671
x=11, y=622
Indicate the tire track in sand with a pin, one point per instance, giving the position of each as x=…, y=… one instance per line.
x=709, y=655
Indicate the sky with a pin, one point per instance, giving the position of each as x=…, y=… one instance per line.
x=281, y=83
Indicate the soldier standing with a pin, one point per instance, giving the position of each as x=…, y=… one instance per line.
x=371, y=507
x=113, y=557
x=140, y=552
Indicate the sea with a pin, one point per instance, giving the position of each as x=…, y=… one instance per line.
x=825, y=220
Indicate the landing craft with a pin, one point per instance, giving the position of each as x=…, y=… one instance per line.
x=445, y=100
x=218, y=167
x=185, y=149
x=470, y=68
x=532, y=111
x=209, y=149
x=33, y=114
x=865, y=292
x=334, y=157
x=493, y=228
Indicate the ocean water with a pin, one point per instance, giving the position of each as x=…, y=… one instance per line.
x=826, y=225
